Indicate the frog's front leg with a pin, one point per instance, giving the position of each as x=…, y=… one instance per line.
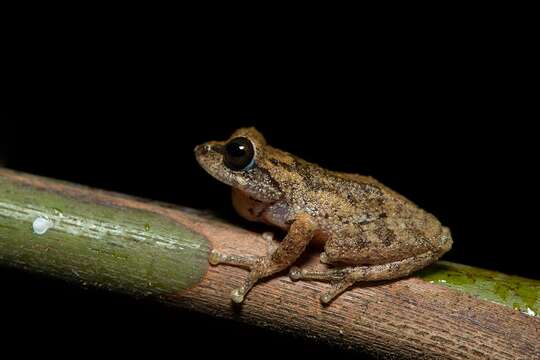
x=293, y=245
x=216, y=257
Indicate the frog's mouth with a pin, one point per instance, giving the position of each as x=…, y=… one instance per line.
x=210, y=157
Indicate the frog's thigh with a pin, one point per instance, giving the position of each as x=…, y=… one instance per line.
x=344, y=248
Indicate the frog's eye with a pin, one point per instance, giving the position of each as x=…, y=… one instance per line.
x=239, y=154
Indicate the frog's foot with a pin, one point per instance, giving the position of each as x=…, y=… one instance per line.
x=259, y=266
x=343, y=278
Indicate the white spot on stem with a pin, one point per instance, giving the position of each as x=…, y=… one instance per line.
x=530, y=312
x=41, y=225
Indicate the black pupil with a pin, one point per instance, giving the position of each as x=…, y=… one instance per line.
x=238, y=153
x=236, y=149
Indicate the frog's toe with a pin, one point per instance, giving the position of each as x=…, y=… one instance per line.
x=295, y=273
x=326, y=298
x=215, y=257
x=324, y=258
x=237, y=295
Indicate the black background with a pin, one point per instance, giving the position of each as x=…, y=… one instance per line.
x=448, y=124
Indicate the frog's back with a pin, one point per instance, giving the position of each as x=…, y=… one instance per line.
x=370, y=223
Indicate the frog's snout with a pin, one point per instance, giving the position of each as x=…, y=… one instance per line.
x=207, y=148
x=202, y=149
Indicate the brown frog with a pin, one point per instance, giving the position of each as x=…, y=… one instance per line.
x=369, y=231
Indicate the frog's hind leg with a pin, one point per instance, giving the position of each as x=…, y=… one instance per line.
x=343, y=278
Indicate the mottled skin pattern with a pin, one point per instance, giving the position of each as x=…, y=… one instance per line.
x=369, y=231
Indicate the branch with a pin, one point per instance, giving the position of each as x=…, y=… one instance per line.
x=148, y=249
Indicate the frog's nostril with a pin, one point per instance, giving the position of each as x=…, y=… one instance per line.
x=202, y=149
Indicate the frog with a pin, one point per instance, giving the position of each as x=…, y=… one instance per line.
x=368, y=232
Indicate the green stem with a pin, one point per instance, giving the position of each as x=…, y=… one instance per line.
x=119, y=248
x=514, y=291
